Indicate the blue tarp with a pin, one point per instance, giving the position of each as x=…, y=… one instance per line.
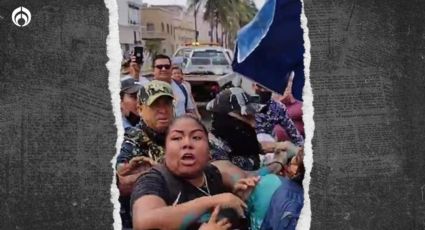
x=271, y=46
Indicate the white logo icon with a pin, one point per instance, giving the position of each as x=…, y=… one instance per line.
x=21, y=16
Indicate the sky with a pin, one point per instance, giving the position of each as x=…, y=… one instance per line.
x=259, y=3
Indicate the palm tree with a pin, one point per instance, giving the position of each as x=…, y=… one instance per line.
x=245, y=11
x=216, y=26
x=231, y=14
x=212, y=9
x=195, y=5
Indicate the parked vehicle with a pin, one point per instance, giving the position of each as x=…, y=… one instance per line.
x=208, y=70
x=186, y=51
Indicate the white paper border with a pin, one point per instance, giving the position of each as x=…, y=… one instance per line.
x=308, y=111
x=114, y=65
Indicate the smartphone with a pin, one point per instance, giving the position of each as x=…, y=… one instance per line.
x=138, y=52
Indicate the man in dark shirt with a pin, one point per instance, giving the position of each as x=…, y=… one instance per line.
x=143, y=144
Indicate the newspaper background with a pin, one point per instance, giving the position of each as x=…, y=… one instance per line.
x=56, y=122
x=367, y=66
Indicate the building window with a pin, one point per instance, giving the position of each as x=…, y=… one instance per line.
x=162, y=26
x=168, y=29
x=133, y=14
x=150, y=26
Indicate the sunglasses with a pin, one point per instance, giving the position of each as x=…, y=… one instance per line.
x=163, y=66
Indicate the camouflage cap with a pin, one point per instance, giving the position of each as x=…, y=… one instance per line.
x=154, y=90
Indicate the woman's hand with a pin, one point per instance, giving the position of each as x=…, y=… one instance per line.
x=286, y=150
x=229, y=200
x=213, y=224
x=141, y=160
x=278, y=147
x=244, y=187
x=283, y=146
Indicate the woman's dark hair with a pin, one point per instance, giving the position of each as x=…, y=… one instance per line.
x=133, y=95
x=186, y=116
x=299, y=177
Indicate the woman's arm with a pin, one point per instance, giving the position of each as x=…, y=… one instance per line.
x=231, y=173
x=151, y=212
x=129, y=172
x=286, y=122
x=126, y=183
x=273, y=146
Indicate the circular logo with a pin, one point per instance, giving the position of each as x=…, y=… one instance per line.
x=21, y=16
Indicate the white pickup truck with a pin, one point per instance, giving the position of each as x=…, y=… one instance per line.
x=208, y=70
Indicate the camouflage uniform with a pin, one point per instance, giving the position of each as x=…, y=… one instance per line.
x=138, y=143
x=142, y=140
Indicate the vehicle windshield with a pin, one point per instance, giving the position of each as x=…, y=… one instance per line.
x=207, y=53
x=217, y=56
x=204, y=65
x=200, y=61
x=184, y=52
x=219, y=60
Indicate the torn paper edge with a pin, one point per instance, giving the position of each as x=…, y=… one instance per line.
x=308, y=112
x=114, y=65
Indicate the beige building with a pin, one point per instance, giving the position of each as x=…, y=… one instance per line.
x=162, y=28
x=167, y=27
x=183, y=24
x=130, y=24
x=173, y=26
x=158, y=30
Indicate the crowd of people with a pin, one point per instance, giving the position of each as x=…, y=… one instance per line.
x=245, y=172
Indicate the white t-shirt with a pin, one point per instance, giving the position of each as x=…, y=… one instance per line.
x=142, y=80
x=180, y=99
